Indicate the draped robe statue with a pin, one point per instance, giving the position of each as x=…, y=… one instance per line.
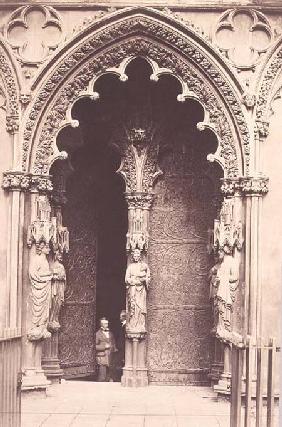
x=137, y=280
x=40, y=277
x=224, y=278
x=57, y=291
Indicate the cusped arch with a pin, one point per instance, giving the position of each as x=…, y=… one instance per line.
x=107, y=46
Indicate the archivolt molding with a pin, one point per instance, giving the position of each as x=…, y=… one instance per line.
x=132, y=36
x=273, y=69
x=11, y=88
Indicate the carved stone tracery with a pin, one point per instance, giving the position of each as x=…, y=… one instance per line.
x=243, y=26
x=21, y=28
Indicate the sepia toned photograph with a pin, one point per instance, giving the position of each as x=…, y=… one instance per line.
x=140, y=213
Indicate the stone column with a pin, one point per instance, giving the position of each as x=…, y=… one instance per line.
x=135, y=373
x=253, y=188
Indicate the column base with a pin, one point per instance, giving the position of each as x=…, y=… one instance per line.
x=34, y=379
x=224, y=385
x=52, y=369
x=135, y=378
x=215, y=373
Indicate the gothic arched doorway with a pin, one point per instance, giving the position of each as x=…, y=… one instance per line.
x=182, y=214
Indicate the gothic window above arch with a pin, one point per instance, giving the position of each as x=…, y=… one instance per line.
x=243, y=36
x=34, y=32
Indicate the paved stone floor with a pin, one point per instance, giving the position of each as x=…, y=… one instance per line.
x=81, y=404
x=90, y=404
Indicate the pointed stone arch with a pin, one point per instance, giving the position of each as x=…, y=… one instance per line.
x=106, y=46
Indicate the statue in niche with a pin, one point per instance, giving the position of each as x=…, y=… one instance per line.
x=137, y=279
x=57, y=291
x=40, y=276
x=224, y=279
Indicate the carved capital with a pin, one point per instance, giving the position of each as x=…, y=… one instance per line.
x=257, y=186
x=139, y=200
x=41, y=183
x=15, y=181
x=20, y=181
x=229, y=186
x=244, y=186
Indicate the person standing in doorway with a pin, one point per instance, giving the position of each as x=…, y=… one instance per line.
x=120, y=343
x=105, y=347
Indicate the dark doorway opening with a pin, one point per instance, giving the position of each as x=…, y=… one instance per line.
x=96, y=216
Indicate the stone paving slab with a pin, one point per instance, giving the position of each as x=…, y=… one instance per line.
x=82, y=404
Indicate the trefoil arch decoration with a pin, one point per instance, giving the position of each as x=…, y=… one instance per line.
x=137, y=34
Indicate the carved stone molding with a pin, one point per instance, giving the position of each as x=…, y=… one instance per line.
x=19, y=181
x=184, y=60
x=262, y=114
x=11, y=93
x=31, y=37
x=254, y=186
x=236, y=33
x=245, y=186
x=229, y=186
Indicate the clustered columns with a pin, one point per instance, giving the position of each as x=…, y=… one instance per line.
x=237, y=256
x=137, y=281
x=43, y=272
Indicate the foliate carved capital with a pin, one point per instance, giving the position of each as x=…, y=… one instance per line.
x=229, y=186
x=139, y=200
x=15, y=181
x=244, y=186
x=254, y=185
x=19, y=181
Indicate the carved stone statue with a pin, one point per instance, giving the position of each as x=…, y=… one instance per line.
x=137, y=280
x=40, y=279
x=57, y=291
x=224, y=279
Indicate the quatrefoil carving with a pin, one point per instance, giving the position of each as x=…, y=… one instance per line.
x=34, y=32
x=243, y=36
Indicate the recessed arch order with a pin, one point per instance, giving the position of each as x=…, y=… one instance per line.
x=106, y=46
